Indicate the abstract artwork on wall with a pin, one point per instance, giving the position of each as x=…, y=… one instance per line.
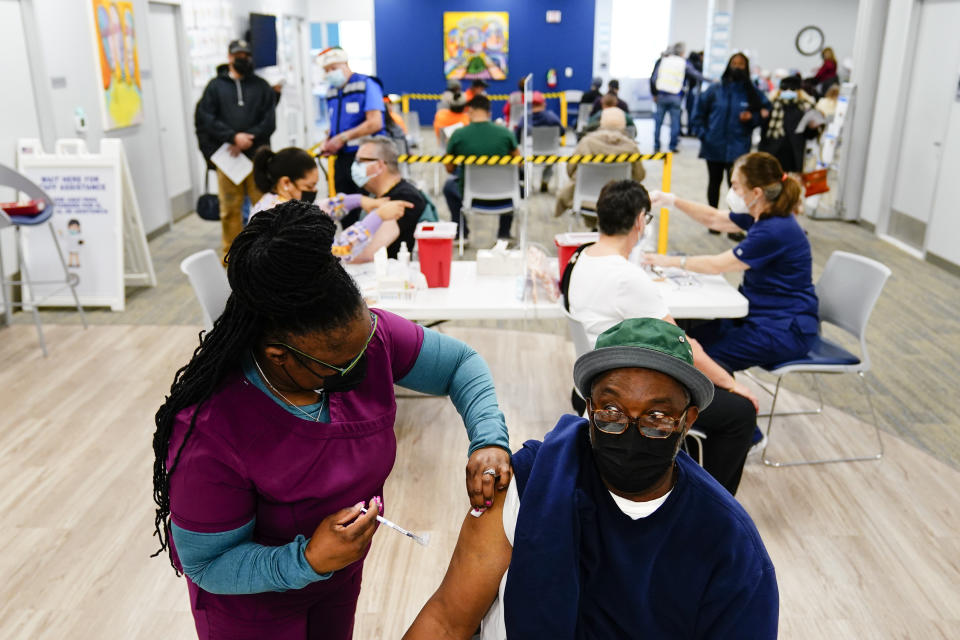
x=475, y=45
x=116, y=46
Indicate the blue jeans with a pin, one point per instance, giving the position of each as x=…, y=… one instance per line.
x=667, y=103
x=454, y=197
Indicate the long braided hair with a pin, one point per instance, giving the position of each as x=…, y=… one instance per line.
x=284, y=282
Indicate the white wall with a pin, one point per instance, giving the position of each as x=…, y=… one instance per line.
x=688, y=23
x=339, y=10
x=944, y=229
x=65, y=43
x=884, y=138
x=768, y=30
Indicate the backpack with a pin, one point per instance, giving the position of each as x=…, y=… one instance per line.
x=568, y=272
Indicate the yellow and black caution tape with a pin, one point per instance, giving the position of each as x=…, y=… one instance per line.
x=541, y=159
x=497, y=96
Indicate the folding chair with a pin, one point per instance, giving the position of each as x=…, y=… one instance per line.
x=590, y=180
x=489, y=183
x=545, y=141
x=848, y=290
x=209, y=281
x=16, y=180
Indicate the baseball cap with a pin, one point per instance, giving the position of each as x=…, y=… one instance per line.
x=538, y=98
x=644, y=343
x=239, y=46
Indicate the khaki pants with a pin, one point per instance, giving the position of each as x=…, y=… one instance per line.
x=231, y=205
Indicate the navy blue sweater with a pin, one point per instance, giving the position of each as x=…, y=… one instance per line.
x=581, y=568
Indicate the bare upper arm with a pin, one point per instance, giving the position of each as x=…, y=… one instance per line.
x=388, y=231
x=472, y=581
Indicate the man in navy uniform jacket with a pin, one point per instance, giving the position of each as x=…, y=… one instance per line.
x=607, y=530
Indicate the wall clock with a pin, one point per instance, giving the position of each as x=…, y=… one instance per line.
x=810, y=40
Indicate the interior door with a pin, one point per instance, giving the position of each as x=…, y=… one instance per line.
x=931, y=95
x=167, y=81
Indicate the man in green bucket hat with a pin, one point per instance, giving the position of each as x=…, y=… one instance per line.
x=608, y=529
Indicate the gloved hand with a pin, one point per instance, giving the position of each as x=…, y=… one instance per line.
x=660, y=199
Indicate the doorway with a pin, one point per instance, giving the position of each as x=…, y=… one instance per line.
x=166, y=55
x=932, y=89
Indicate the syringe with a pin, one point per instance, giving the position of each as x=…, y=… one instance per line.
x=423, y=540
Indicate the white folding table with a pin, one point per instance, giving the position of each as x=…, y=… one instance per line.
x=473, y=297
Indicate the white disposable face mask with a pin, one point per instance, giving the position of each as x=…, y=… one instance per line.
x=736, y=202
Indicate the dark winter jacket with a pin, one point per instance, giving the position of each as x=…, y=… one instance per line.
x=716, y=120
x=229, y=107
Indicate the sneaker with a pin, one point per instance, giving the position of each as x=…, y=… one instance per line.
x=759, y=441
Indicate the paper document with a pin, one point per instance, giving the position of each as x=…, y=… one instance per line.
x=235, y=167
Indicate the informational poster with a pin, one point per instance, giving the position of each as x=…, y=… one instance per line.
x=115, y=43
x=88, y=223
x=475, y=45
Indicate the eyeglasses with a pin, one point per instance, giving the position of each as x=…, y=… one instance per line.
x=654, y=424
x=647, y=218
x=341, y=370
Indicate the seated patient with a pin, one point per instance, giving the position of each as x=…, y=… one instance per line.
x=606, y=530
x=604, y=287
x=292, y=174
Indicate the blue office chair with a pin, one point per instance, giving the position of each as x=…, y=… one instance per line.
x=16, y=180
x=848, y=290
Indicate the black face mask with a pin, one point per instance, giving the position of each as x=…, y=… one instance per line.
x=347, y=382
x=739, y=75
x=243, y=66
x=308, y=196
x=630, y=462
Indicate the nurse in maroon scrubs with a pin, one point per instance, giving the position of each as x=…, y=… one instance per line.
x=280, y=428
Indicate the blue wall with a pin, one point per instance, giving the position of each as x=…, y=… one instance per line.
x=409, y=45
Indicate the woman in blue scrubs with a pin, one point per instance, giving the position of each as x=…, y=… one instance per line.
x=775, y=257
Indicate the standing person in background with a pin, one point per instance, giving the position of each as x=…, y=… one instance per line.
x=780, y=137
x=355, y=105
x=670, y=74
x=237, y=108
x=724, y=120
x=693, y=89
x=826, y=75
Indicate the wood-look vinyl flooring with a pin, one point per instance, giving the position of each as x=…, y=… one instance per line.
x=863, y=550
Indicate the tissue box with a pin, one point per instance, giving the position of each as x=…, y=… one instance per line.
x=499, y=263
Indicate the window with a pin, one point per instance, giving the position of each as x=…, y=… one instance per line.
x=639, y=34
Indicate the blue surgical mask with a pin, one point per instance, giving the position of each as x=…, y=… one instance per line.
x=358, y=173
x=788, y=95
x=336, y=78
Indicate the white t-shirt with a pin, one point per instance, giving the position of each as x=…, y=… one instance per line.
x=607, y=289
x=494, y=626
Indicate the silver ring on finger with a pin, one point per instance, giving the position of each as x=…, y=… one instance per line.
x=489, y=472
